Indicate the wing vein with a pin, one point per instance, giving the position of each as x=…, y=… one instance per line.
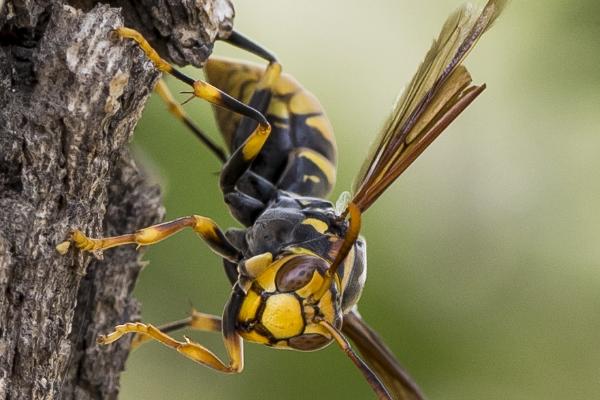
x=441, y=82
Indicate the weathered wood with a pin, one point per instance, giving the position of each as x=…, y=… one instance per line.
x=69, y=100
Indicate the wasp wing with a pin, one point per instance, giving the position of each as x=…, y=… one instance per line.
x=380, y=358
x=440, y=90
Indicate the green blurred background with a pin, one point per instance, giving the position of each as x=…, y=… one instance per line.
x=484, y=272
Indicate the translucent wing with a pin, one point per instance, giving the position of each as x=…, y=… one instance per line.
x=379, y=358
x=440, y=90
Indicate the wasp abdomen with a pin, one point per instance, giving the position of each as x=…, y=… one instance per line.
x=300, y=154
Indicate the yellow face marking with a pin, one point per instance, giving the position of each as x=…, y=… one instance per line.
x=266, y=280
x=282, y=316
x=322, y=163
x=322, y=125
x=316, y=328
x=309, y=312
x=319, y=225
x=255, y=337
x=282, y=344
x=256, y=265
x=326, y=306
x=249, y=307
x=313, y=285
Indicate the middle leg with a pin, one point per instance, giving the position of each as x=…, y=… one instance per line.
x=192, y=350
x=178, y=112
x=197, y=321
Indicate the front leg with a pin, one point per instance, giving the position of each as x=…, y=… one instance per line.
x=197, y=321
x=232, y=340
x=191, y=350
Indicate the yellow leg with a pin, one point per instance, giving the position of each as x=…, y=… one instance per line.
x=205, y=227
x=201, y=88
x=178, y=112
x=243, y=157
x=197, y=321
x=191, y=350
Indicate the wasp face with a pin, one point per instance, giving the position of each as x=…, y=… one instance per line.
x=280, y=308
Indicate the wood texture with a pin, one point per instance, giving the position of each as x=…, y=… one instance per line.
x=70, y=98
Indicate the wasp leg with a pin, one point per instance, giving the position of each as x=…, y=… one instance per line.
x=238, y=40
x=177, y=110
x=197, y=321
x=244, y=208
x=190, y=349
x=373, y=380
x=262, y=94
x=205, y=227
x=247, y=150
x=243, y=157
x=232, y=340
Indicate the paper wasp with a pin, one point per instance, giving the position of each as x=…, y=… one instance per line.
x=298, y=267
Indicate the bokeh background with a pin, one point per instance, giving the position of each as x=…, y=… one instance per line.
x=484, y=271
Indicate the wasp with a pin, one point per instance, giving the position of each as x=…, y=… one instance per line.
x=298, y=266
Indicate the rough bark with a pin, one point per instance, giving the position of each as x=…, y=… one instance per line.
x=69, y=100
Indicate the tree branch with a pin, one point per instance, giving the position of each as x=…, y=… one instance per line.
x=69, y=100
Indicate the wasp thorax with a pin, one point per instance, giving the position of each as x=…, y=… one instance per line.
x=280, y=309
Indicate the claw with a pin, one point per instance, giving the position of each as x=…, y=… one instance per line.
x=63, y=247
x=80, y=240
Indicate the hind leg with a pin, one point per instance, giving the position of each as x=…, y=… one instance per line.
x=234, y=345
x=243, y=156
x=178, y=112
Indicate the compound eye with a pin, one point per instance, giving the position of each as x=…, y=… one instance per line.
x=308, y=342
x=298, y=272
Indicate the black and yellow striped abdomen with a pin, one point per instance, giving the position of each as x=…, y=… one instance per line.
x=300, y=154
